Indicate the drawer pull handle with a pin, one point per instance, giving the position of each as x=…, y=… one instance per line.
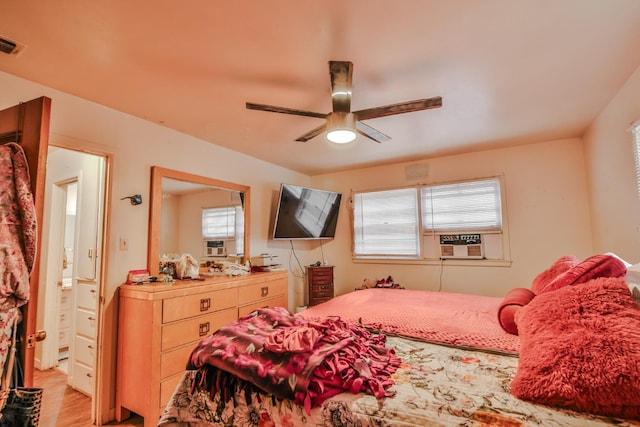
x=205, y=304
x=264, y=291
x=204, y=328
x=89, y=375
x=91, y=318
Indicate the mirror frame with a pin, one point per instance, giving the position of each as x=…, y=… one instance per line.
x=155, y=209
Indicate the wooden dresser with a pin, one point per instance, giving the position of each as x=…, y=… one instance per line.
x=159, y=324
x=319, y=284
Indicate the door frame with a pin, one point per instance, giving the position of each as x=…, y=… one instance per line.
x=101, y=402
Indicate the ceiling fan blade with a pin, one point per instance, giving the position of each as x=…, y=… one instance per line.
x=371, y=133
x=312, y=133
x=341, y=75
x=402, y=107
x=284, y=110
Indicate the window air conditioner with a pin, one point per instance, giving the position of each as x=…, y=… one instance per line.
x=461, y=246
x=215, y=248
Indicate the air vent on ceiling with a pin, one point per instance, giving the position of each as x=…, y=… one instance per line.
x=10, y=47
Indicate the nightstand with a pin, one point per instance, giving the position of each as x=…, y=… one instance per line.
x=319, y=284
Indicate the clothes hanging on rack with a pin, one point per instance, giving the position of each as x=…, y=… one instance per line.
x=18, y=240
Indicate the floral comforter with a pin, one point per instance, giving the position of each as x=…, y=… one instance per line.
x=435, y=385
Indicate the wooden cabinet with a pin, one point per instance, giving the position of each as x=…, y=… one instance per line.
x=64, y=317
x=319, y=284
x=160, y=324
x=82, y=354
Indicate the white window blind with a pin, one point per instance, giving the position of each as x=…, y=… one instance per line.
x=464, y=206
x=386, y=223
x=635, y=130
x=219, y=223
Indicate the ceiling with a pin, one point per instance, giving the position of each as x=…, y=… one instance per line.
x=509, y=72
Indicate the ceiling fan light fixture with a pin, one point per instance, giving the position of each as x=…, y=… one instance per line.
x=341, y=136
x=341, y=128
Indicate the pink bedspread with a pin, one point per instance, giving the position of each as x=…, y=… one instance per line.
x=451, y=318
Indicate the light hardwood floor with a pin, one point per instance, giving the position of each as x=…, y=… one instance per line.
x=63, y=406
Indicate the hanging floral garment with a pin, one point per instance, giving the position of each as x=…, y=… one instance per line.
x=17, y=240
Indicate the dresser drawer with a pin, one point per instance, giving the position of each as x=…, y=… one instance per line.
x=322, y=288
x=167, y=387
x=324, y=272
x=63, y=337
x=193, y=329
x=83, y=378
x=86, y=295
x=261, y=291
x=175, y=361
x=64, y=318
x=86, y=323
x=84, y=350
x=195, y=305
x=279, y=301
x=316, y=301
x=65, y=299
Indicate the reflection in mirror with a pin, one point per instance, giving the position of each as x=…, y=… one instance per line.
x=195, y=215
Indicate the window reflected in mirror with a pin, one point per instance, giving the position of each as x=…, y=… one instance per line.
x=202, y=221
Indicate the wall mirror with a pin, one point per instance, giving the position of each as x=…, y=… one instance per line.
x=178, y=202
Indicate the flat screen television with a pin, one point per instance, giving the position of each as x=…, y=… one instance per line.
x=306, y=213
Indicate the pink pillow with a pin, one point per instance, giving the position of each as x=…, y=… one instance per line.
x=590, y=268
x=580, y=349
x=516, y=299
x=561, y=265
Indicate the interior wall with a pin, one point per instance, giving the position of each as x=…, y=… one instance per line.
x=135, y=145
x=614, y=202
x=547, y=212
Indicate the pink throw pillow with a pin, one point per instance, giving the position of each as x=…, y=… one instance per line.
x=516, y=299
x=590, y=268
x=561, y=265
x=581, y=349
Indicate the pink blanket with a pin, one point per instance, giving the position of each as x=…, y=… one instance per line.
x=293, y=358
x=450, y=318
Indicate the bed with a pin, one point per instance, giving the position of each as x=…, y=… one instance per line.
x=574, y=362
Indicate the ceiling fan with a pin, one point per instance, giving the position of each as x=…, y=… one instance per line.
x=342, y=124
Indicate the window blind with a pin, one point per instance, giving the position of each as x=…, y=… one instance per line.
x=219, y=223
x=464, y=206
x=386, y=223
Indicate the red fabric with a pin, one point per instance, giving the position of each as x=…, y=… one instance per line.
x=581, y=349
x=590, y=268
x=293, y=358
x=516, y=299
x=561, y=265
x=442, y=317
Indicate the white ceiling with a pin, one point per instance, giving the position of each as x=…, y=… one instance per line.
x=509, y=71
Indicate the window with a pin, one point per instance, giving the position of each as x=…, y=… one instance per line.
x=226, y=223
x=464, y=206
x=219, y=223
x=635, y=130
x=396, y=223
x=386, y=223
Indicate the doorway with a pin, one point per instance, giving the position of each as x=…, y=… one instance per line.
x=70, y=271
